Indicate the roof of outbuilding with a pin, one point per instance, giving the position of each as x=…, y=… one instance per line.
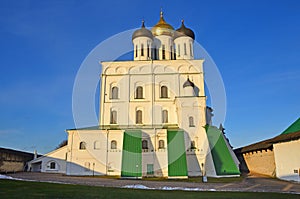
x=268, y=144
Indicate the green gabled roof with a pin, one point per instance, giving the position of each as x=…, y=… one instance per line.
x=295, y=127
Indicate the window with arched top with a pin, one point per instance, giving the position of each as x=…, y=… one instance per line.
x=161, y=144
x=142, y=50
x=82, y=145
x=139, y=92
x=193, y=145
x=97, y=145
x=139, y=117
x=113, y=117
x=164, y=92
x=163, y=52
x=52, y=165
x=191, y=121
x=148, y=51
x=136, y=50
x=144, y=144
x=114, y=92
x=165, y=116
x=191, y=49
x=113, y=144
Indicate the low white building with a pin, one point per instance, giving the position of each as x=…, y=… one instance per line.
x=154, y=120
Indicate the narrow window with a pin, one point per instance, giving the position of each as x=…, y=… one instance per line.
x=142, y=50
x=52, y=165
x=157, y=53
x=184, y=48
x=148, y=51
x=113, y=144
x=164, y=116
x=161, y=144
x=171, y=52
x=139, y=92
x=114, y=92
x=144, y=144
x=136, y=51
x=154, y=53
x=113, y=117
x=139, y=119
x=164, y=92
x=82, y=145
x=191, y=121
x=178, y=50
x=191, y=49
x=193, y=145
x=163, y=52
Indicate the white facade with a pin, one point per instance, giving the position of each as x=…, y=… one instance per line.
x=158, y=95
x=53, y=162
x=287, y=160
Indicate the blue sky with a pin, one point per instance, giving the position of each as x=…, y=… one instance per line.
x=255, y=44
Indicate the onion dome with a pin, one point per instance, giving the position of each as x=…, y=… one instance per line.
x=142, y=32
x=184, y=31
x=162, y=27
x=188, y=83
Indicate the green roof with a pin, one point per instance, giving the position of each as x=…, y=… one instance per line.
x=223, y=161
x=295, y=127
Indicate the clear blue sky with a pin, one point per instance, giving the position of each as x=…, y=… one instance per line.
x=255, y=44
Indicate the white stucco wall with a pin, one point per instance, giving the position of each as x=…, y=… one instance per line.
x=287, y=160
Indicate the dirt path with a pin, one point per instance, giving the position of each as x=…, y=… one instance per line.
x=248, y=184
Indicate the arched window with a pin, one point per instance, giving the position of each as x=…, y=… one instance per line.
x=191, y=121
x=191, y=49
x=165, y=116
x=161, y=144
x=113, y=117
x=184, y=48
x=113, y=144
x=82, y=146
x=163, y=52
x=193, y=145
x=139, y=92
x=136, y=50
x=144, y=144
x=139, y=117
x=148, y=51
x=96, y=145
x=52, y=165
x=164, y=92
x=114, y=92
x=142, y=50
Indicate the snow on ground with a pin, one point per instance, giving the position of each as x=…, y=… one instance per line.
x=6, y=177
x=140, y=186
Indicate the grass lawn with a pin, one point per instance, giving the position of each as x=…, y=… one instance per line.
x=22, y=189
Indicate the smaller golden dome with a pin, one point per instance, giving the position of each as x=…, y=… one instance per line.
x=162, y=27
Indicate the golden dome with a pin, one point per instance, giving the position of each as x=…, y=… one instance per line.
x=162, y=27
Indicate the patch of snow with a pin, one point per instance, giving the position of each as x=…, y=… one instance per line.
x=136, y=186
x=6, y=177
x=185, y=189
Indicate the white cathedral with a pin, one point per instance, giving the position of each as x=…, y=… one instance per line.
x=153, y=121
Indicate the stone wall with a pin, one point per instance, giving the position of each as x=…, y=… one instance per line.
x=13, y=161
x=261, y=162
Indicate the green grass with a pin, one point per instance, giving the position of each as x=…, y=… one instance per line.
x=21, y=189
